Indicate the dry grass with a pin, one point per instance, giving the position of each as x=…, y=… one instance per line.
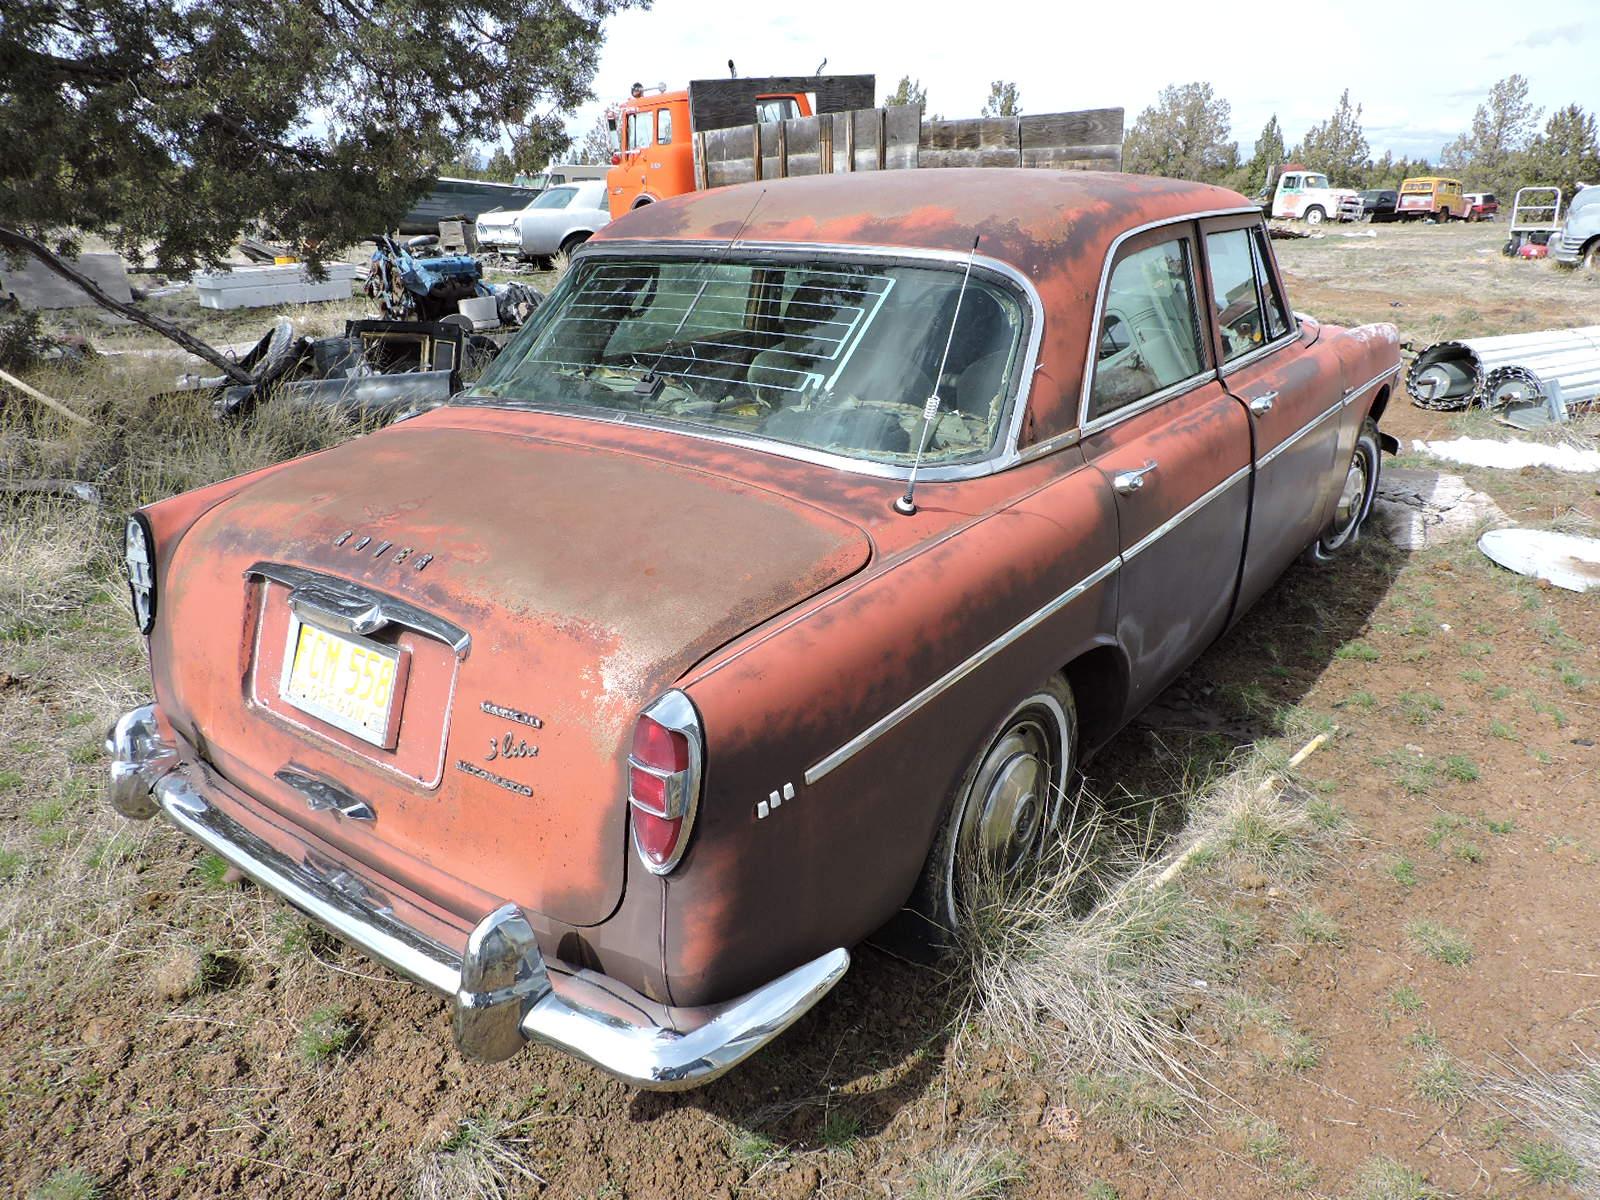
x=1090, y=965
x=480, y=1160
x=966, y=1173
x=1563, y=1104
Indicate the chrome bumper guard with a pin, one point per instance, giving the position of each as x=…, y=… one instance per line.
x=502, y=990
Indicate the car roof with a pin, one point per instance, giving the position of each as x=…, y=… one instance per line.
x=1029, y=218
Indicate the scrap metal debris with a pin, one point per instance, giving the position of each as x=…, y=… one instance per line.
x=1562, y=559
x=1494, y=371
x=1419, y=509
x=1511, y=456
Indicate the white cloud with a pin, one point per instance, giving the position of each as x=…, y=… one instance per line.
x=1399, y=66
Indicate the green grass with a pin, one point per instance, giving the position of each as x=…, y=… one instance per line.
x=1461, y=768
x=1439, y=1079
x=1357, y=652
x=213, y=870
x=1420, y=707
x=841, y=1128
x=1406, y=1000
x=1385, y=1178
x=328, y=1033
x=1440, y=943
x=1499, y=827
x=1500, y=729
x=1358, y=699
x=1442, y=827
x=68, y=1184
x=1238, y=932
x=753, y=1149
x=1315, y=927
x=1546, y=1163
x=1404, y=872
x=1300, y=1052
x=1327, y=815
x=1468, y=852
x=10, y=865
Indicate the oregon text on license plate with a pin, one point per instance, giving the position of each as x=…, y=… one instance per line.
x=346, y=681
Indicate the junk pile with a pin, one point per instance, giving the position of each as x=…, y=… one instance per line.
x=377, y=370
x=1538, y=378
x=411, y=286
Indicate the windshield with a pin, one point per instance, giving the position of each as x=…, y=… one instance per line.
x=836, y=355
x=555, y=198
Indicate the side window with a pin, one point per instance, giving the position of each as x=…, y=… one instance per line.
x=631, y=132
x=663, y=126
x=1233, y=292
x=1148, y=328
x=1291, y=183
x=1277, y=314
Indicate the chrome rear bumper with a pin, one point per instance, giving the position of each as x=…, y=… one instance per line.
x=500, y=984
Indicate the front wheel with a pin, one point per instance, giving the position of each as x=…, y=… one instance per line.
x=1006, y=808
x=1591, y=257
x=1315, y=215
x=1356, y=494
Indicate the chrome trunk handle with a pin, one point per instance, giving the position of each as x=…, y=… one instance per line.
x=1128, y=482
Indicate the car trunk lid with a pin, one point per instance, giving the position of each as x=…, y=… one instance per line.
x=583, y=582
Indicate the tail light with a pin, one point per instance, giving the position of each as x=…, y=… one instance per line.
x=664, y=780
x=616, y=158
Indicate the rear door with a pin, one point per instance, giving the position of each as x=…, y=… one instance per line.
x=1174, y=448
x=1291, y=397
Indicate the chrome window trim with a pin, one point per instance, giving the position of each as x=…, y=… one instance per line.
x=887, y=722
x=1106, y=420
x=1194, y=506
x=1300, y=433
x=1260, y=352
x=1003, y=455
x=1084, y=385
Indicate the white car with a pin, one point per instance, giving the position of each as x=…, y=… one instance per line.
x=559, y=221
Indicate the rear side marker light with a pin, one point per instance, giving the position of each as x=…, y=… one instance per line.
x=664, y=771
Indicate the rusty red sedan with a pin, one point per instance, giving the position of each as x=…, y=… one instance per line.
x=790, y=561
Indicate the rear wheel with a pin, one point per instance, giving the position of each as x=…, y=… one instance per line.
x=1315, y=215
x=1591, y=257
x=573, y=241
x=1007, y=806
x=1356, y=495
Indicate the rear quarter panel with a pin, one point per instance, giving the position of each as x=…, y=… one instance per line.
x=754, y=896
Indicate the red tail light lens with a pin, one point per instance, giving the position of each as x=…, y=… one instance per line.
x=616, y=158
x=664, y=780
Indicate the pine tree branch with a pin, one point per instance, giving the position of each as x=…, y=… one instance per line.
x=11, y=239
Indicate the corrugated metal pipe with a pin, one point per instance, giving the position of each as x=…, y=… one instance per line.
x=1491, y=371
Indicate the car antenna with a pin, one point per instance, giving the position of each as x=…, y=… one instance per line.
x=651, y=383
x=906, y=505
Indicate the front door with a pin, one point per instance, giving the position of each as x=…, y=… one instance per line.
x=1292, y=400
x=1174, y=448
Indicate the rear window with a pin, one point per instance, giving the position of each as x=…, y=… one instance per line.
x=557, y=197
x=836, y=355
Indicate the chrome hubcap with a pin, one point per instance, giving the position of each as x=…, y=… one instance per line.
x=1355, y=491
x=1010, y=798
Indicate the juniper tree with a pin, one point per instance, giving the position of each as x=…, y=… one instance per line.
x=169, y=127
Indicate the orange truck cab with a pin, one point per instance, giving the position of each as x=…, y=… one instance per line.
x=655, y=158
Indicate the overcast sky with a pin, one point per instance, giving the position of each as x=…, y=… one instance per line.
x=1417, y=69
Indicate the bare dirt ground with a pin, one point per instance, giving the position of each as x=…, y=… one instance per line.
x=164, y=1033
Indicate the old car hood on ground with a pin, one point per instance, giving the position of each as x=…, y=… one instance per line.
x=587, y=579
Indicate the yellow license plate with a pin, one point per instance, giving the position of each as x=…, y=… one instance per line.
x=346, y=681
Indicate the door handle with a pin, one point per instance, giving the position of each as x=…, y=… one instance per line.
x=1262, y=404
x=1128, y=482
